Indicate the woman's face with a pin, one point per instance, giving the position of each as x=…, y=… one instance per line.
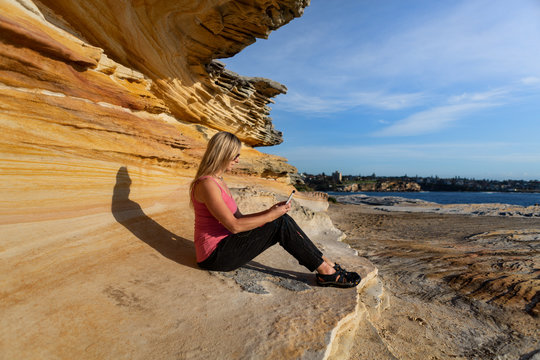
x=233, y=162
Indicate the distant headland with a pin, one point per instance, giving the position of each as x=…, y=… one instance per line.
x=373, y=183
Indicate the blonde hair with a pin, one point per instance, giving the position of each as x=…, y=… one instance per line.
x=221, y=149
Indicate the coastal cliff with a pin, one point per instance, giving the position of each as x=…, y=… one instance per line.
x=106, y=109
x=382, y=186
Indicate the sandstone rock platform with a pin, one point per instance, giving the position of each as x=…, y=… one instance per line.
x=401, y=204
x=453, y=286
x=125, y=284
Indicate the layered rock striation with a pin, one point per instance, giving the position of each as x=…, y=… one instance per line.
x=174, y=44
x=458, y=286
x=90, y=87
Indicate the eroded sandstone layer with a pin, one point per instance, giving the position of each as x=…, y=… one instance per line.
x=88, y=87
x=454, y=286
x=71, y=116
x=173, y=43
x=105, y=109
x=124, y=284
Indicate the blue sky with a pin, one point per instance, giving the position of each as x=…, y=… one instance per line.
x=446, y=88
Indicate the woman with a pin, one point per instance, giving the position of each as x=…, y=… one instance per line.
x=226, y=239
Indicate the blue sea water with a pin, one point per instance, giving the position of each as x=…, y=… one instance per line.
x=447, y=197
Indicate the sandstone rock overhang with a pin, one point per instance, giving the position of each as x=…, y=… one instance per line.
x=173, y=43
x=106, y=108
x=122, y=82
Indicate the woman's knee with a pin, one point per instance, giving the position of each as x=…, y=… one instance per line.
x=289, y=221
x=286, y=218
x=281, y=221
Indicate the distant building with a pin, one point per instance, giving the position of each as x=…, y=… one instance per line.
x=336, y=176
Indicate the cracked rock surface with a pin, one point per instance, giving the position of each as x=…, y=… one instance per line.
x=454, y=286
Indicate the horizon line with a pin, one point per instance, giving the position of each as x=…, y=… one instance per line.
x=418, y=176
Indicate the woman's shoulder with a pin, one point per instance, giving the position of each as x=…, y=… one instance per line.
x=206, y=183
x=205, y=187
x=206, y=180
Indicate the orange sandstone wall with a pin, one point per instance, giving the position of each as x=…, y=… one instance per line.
x=91, y=87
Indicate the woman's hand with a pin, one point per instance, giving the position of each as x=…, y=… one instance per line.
x=280, y=209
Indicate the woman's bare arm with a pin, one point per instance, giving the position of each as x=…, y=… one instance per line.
x=207, y=192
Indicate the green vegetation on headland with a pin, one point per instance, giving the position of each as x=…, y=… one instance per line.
x=373, y=183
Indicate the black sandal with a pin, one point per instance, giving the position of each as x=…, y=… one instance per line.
x=350, y=273
x=340, y=278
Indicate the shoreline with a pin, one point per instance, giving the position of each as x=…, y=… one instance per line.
x=467, y=285
x=438, y=191
x=401, y=204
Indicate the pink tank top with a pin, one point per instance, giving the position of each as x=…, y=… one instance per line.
x=208, y=230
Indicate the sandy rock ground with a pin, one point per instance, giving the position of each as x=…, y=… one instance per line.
x=124, y=284
x=453, y=286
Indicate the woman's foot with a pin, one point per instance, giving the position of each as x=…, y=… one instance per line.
x=328, y=261
x=326, y=269
x=340, y=278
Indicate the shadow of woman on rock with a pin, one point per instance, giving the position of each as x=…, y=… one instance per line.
x=132, y=217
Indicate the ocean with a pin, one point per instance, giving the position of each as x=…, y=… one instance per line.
x=449, y=197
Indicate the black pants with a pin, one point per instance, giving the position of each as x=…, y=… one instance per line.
x=238, y=249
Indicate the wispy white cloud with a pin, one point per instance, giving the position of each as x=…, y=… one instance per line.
x=457, y=45
x=496, y=151
x=456, y=108
x=407, y=72
x=323, y=67
x=491, y=159
x=301, y=102
x=531, y=80
x=431, y=120
x=490, y=95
